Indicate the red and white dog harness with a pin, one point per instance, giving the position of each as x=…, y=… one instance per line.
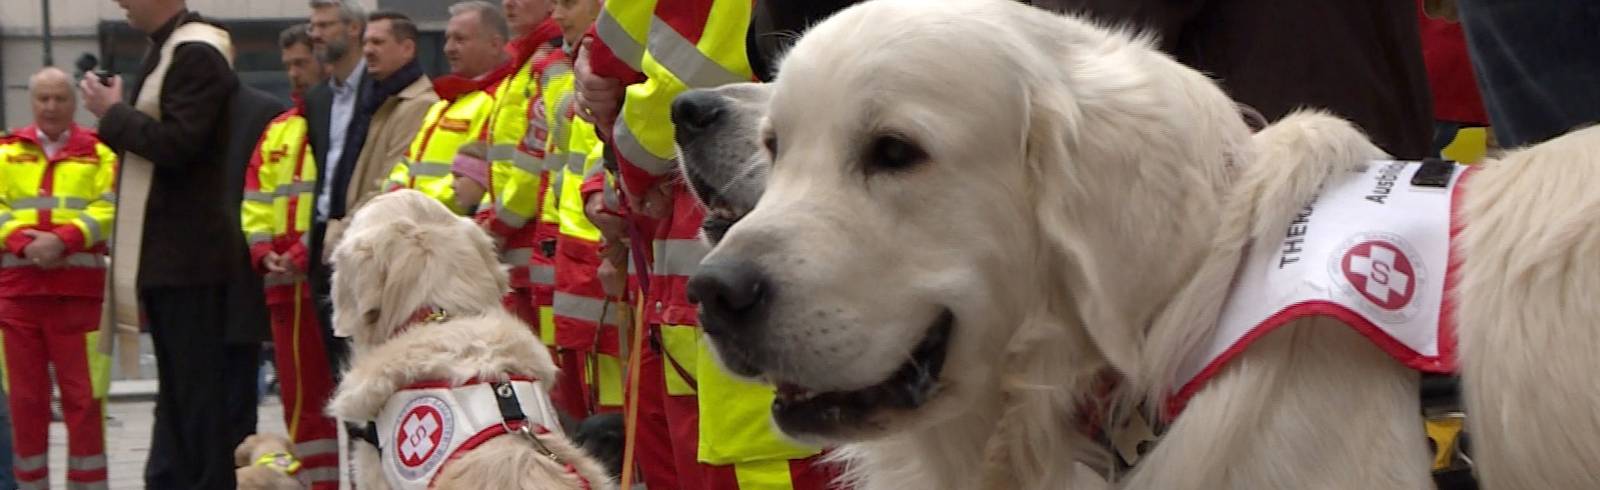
x=1373, y=250
x=426, y=424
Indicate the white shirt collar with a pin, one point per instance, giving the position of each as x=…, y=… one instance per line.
x=51, y=147
x=351, y=80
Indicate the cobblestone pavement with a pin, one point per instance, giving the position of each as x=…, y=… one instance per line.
x=128, y=440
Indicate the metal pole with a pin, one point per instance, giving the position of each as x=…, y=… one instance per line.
x=49, y=57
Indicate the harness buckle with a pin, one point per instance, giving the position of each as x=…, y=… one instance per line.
x=538, y=445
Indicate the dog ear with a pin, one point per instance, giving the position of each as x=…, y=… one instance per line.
x=487, y=252
x=354, y=292
x=404, y=255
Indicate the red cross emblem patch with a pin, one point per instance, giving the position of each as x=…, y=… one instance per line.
x=1382, y=273
x=420, y=432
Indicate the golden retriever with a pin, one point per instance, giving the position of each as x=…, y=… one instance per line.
x=405, y=253
x=977, y=209
x=265, y=462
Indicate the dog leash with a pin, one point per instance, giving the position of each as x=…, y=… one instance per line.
x=631, y=420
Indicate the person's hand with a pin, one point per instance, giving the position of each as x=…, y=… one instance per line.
x=275, y=263
x=657, y=202
x=611, y=226
x=612, y=278
x=599, y=98
x=98, y=98
x=46, y=248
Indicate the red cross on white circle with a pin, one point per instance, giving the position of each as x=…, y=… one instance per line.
x=419, y=434
x=1382, y=273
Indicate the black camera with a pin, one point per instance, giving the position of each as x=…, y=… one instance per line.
x=87, y=63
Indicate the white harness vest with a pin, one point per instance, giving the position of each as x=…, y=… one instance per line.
x=1373, y=250
x=427, y=423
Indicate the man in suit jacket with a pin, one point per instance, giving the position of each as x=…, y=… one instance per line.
x=175, y=245
x=331, y=110
x=392, y=107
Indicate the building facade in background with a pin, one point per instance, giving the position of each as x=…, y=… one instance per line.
x=97, y=27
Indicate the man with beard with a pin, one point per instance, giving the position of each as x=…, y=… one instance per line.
x=330, y=108
x=393, y=102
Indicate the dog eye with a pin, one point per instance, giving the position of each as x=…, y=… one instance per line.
x=771, y=142
x=894, y=152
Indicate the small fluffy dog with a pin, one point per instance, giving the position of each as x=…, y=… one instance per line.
x=971, y=224
x=264, y=462
x=453, y=384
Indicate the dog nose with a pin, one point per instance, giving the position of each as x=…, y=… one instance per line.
x=728, y=293
x=695, y=110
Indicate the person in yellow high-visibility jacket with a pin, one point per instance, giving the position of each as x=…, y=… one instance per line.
x=515, y=148
x=56, y=207
x=276, y=218
x=587, y=325
x=475, y=38
x=654, y=50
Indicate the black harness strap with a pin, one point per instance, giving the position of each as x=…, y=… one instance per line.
x=367, y=433
x=506, y=398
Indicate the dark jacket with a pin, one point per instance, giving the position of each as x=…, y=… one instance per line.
x=186, y=218
x=249, y=112
x=1360, y=59
x=319, y=111
x=319, y=115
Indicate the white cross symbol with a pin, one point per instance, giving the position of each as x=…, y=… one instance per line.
x=1382, y=278
x=419, y=431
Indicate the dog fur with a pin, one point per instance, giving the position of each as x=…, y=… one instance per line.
x=404, y=251
x=250, y=476
x=1086, y=212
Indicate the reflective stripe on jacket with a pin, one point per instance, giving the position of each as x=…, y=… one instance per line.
x=675, y=46
x=278, y=199
x=69, y=194
x=516, y=142
x=448, y=125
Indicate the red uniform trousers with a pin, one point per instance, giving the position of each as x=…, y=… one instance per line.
x=575, y=392
x=682, y=412
x=520, y=303
x=307, y=385
x=669, y=437
x=658, y=462
x=581, y=337
x=42, y=331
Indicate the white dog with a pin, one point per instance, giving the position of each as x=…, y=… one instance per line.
x=453, y=383
x=977, y=210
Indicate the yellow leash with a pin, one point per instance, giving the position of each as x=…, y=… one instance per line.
x=299, y=396
x=631, y=419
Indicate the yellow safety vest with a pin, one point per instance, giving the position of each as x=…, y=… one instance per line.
x=278, y=198
x=735, y=426
x=673, y=64
x=560, y=97
x=508, y=127
x=582, y=162
x=447, y=126
x=74, y=190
